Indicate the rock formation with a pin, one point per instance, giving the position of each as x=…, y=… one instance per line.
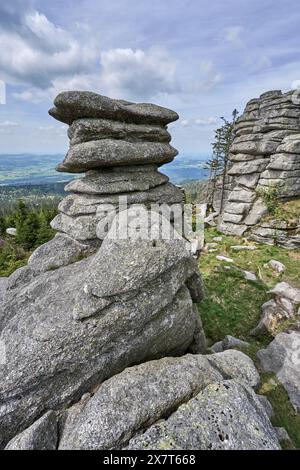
x=92, y=303
x=265, y=153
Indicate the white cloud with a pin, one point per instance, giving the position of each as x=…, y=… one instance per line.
x=206, y=122
x=36, y=52
x=185, y=122
x=8, y=127
x=138, y=73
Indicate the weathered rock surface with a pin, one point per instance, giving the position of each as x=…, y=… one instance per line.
x=149, y=393
x=41, y=435
x=62, y=357
x=118, y=180
x=282, y=307
x=265, y=153
x=3, y=288
x=73, y=105
x=225, y=415
x=108, y=152
x=282, y=357
x=84, y=130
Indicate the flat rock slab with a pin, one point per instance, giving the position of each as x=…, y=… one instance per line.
x=118, y=180
x=282, y=357
x=84, y=130
x=73, y=105
x=109, y=153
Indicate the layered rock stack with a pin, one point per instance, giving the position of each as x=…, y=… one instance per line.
x=265, y=154
x=86, y=308
x=119, y=146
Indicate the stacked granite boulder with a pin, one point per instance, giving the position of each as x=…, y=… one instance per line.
x=119, y=145
x=85, y=309
x=265, y=153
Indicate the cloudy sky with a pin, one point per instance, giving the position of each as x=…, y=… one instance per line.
x=201, y=58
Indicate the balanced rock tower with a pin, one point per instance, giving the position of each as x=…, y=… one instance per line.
x=94, y=331
x=265, y=154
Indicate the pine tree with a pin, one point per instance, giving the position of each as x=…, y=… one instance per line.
x=27, y=233
x=217, y=165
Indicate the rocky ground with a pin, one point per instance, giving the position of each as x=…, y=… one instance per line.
x=234, y=306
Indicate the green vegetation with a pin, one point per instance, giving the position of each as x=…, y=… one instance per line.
x=233, y=306
x=217, y=164
x=33, y=229
x=269, y=196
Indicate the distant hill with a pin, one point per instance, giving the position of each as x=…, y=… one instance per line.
x=27, y=169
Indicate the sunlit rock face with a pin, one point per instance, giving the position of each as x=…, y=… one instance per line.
x=265, y=154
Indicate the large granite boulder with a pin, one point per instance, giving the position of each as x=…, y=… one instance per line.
x=190, y=402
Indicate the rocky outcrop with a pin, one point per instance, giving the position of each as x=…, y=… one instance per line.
x=99, y=297
x=265, y=153
x=116, y=287
x=282, y=357
x=284, y=306
x=190, y=402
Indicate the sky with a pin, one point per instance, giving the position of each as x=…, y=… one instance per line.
x=201, y=58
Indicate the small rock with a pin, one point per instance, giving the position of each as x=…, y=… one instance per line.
x=11, y=231
x=230, y=342
x=283, y=289
x=217, y=239
x=276, y=266
x=211, y=245
x=243, y=247
x=250, y=276
x=224, y=258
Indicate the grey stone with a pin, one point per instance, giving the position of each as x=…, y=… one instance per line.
x=86, y=204
x=42, y=326
x=11, y=231
x=273, y=313
x=267, y=406
x=80, y=228
x=224, y=258
x=84, y=130
x=282, y=358
x=118, y=180
x=283, y=289
x=245, y=168
x=257, y=211
x=276, y=266
x=241, y=195
x=249, y=276
x=232, y=218
x=137, y=397
x=41, y=435
x=235, y=364
x=3, y=288
x=60, y=251
x=243, y=247
x=109, y=153
x=225, y=415
x=73, y=105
